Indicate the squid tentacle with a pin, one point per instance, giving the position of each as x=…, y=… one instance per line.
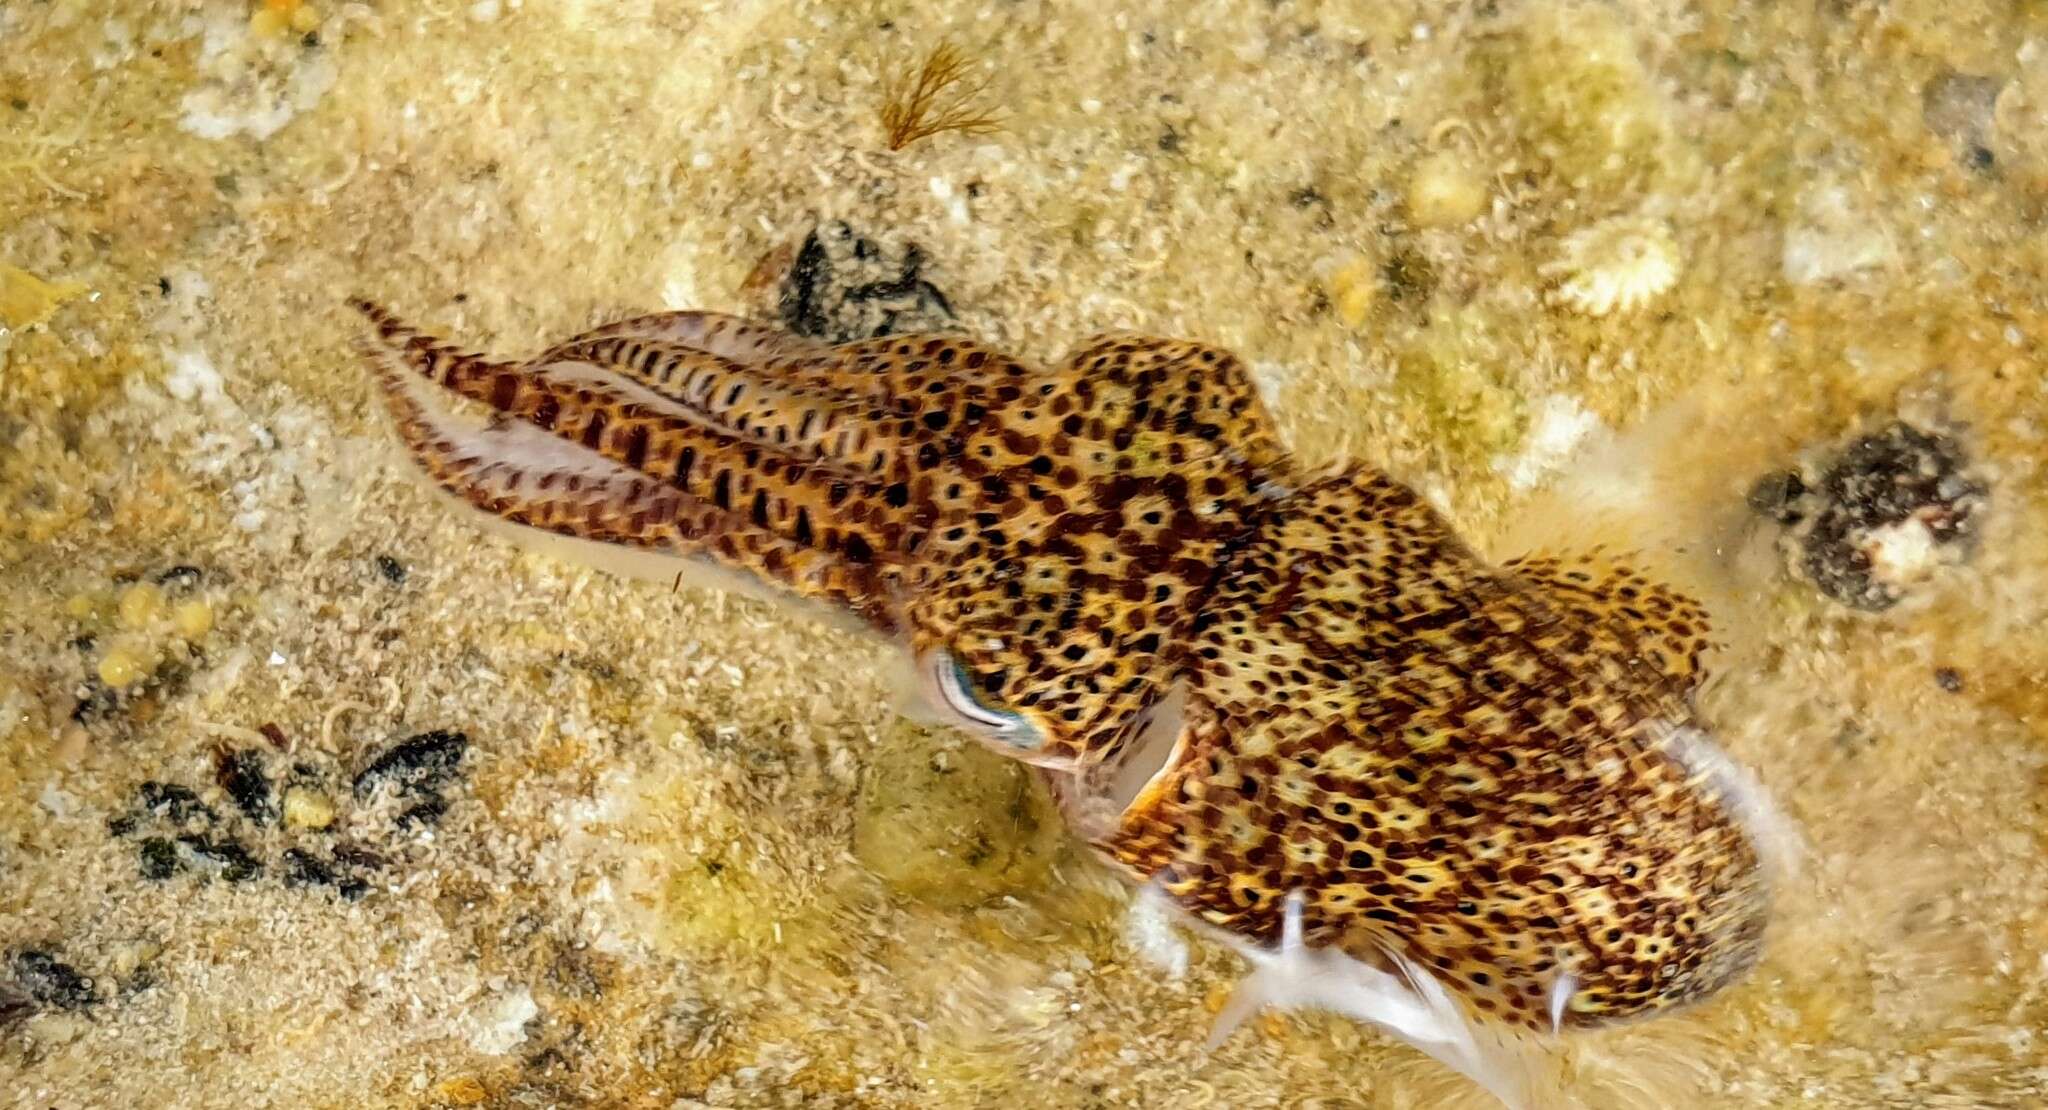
x=580, y=452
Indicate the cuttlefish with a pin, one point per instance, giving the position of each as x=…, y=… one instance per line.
x=1412, y=785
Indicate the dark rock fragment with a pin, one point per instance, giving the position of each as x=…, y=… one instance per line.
x=1872, y=519
x=52, y=982
x=844, y=286
x=417, y=765
x=240, y=773
x=179, y=579
x=233, y=861
x=159, y=859
x=96, y=702
x=302, y=868
x=177, y=804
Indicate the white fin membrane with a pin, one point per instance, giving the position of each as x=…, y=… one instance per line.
x=1410, y=1005
x=1774, y=835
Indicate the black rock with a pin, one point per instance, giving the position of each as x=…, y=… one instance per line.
x=1777, y=496
x=844, y=286
x=51, y=982
x=393, y=571
x=98, y=701
x=240, y=773
x=175, y=803
x=302, y=868
x=234, y=861
x=159, y=859
x=416, y=765
x=1888, y=478
x=428, y=811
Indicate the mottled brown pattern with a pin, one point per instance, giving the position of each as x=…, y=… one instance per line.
x=1481, y=769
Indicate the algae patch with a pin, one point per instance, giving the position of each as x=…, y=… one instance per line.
x=27, y=301
x=952, y=825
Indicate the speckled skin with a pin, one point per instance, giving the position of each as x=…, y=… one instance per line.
x=1481, y=769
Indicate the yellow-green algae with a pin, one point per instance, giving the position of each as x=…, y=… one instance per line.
x=511, y=172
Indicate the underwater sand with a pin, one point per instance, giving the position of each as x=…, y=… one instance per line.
x=669, y=848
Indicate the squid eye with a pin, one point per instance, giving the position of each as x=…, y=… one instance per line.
x=958, y=689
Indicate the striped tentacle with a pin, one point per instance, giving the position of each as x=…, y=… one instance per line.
x=728, y=337
x=583, y=453
x=818, y=423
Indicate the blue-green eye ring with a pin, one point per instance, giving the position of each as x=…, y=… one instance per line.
x=959, y=692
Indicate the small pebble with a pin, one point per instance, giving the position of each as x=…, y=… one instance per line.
x=1949, y=679
x=428, y=811
x=1356, y=289
x=301, y=868
x=97, y=702
x=193, y=619
x=122, y=666
x=180, y=579
x=234, y=861
x=141, y=605
x=392, y=570
x=307, y=808
x=158, y=858
x=178, y=803
x=241, y=775
x=1445, y=191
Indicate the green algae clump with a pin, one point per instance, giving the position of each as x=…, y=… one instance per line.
x=1572, y=79
x=952, y=824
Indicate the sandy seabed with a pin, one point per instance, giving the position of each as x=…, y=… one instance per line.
x=653, y=847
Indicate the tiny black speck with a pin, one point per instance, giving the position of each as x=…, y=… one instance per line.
x=392, y=570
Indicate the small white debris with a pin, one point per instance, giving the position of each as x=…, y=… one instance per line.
x=277, y=659
x=193, y=376
x=56, y=801
x=1903, y=553
x=501, y=1027
x=485, y=11
x=1148, y=929
x=1832, y=239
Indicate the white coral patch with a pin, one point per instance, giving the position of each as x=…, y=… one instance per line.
x=1555, y=431
x=1832, y=238
x=1616, y=264
x=500, y=1026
